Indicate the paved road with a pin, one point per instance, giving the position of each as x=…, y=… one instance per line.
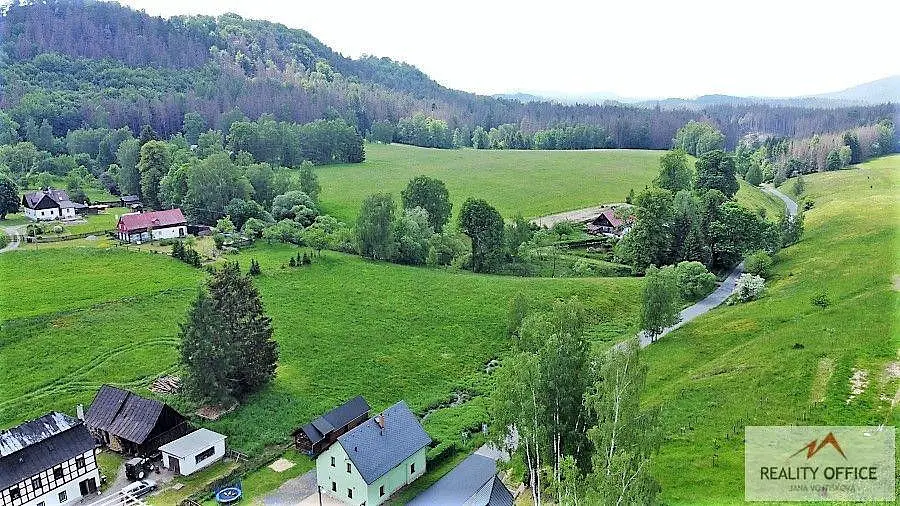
x=789, y=202
x=725, y=289
x=15, y=238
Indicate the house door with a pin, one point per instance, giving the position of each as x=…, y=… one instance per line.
x=173, y=464
x=88, y=486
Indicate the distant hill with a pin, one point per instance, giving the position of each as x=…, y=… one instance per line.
x=874, y=92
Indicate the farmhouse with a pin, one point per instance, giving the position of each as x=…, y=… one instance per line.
x=47, y=461
x=143, y=227
x=316, y=436
x=606, y=223
x=131, y=201
x=49, y=204
x=131, y=424
x=193, y=452
x=473, y=482
x=375, y=459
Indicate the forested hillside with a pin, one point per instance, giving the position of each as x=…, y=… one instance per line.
x=93, y=64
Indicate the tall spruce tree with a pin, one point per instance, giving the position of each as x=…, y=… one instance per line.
x=226, y=342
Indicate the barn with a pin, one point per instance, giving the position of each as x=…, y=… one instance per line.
x=130, y=424
x=316, y=436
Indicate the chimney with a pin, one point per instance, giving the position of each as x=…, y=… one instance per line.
x=380, y=421
x=79, y=411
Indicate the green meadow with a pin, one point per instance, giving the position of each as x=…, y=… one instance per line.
x=533, y=183
x=782, y=360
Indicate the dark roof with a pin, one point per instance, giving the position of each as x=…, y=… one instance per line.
x=473, y=482
x=337, y=417
x=123, y=413
x=59, y=198
x=375, y=451
x=130, y=199
x=40, y=444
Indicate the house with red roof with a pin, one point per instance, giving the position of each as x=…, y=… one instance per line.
x=151, y=226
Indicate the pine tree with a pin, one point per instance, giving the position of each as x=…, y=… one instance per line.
x=178, y=250
x=254, y=268
x=306, y=260
x=292, y=262
x=226, y=342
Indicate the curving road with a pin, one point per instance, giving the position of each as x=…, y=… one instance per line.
x=724, y=289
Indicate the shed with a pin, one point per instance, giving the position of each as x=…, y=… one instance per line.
x=129, y=423
x=316, y=436
x=193, y=452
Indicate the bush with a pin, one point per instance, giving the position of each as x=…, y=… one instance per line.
x=254, y=267
x=749, y=287
x=821, y=300
x=4, y=239
x=759, y=263
x=694, y=280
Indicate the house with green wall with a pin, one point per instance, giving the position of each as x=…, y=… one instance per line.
x=374, y=460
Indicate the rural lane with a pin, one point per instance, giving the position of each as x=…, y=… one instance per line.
x=725, y=289
x=15, y=238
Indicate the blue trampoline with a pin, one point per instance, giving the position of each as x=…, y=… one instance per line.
x=229, y=494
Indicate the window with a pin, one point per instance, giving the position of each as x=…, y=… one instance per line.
x=332, y=461
x=14, y=493
x=63, y=497
x=333, y=487
x=79, y=462
x=349, y=468
x=350, y=493
x=412, y=468
x=42, y=503
x=381, y=490
x=36, y=483
x=205, y=454
x=57, y=473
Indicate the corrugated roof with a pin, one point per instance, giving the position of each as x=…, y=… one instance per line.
x=337, y=417
x=154, y=219
x=40, y=444
x=123, y=413
x=469, y=483
x=193, y=443
x=375, y=451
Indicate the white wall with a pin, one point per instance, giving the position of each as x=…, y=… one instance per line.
x=189, y=465
x=49, y=492
x=43, y=214
x=169, y=232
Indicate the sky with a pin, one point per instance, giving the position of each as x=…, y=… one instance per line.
x=627, y=48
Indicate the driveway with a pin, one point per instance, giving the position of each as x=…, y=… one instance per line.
x=299, y=490
x=789, y=202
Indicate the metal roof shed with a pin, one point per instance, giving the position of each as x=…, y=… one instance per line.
x=193, y=452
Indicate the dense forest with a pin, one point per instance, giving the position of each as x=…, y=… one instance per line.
x=101, y=65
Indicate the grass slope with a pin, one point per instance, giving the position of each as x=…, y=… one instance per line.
x=345, y=327
x=533, y=183
x=741, y=365
x=752, y=197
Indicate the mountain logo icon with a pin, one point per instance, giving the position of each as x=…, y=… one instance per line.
x=815, y=445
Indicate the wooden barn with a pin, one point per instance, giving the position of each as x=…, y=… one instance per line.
x=606, y=223
x=134, y=425
x=316, y=436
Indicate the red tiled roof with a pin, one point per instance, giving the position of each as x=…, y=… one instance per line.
x=611, y=216
x=155, y=219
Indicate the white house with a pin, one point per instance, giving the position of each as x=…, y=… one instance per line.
x=193, y=452
x=49, y=204
x=374, y=460
x=152, y=226
x=47, y=462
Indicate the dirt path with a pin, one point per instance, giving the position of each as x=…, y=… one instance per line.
x=15, y=238
x=724, y=289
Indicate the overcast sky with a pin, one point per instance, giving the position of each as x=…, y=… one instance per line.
x=632, y=48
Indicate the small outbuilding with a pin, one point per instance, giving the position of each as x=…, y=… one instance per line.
x=316, y=436
x=193, y=452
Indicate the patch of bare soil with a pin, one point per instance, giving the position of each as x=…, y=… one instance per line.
x=859, y=381
x=896, y=282
x=215, y=412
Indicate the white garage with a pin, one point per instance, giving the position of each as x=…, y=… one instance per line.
x=193, y=452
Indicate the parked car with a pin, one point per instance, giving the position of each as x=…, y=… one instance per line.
x=140, y=488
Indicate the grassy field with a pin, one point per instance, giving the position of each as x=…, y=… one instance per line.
x=752, y=197
x=533, y=183
x=781, y=359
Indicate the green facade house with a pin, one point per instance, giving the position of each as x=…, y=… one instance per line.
x=375, y=459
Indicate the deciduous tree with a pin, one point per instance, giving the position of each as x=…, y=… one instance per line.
x=431, y=195
x=484, y=226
